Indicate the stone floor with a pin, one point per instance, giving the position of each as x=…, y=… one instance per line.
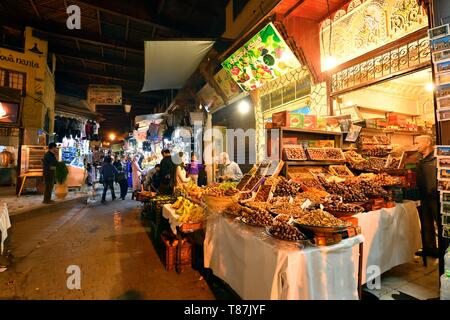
x=32, y=201
x=109, y=244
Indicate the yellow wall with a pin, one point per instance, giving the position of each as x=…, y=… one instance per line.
x=40, y=85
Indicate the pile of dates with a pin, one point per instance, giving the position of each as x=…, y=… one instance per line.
x=285, y=188
x=285, y=231
x=349, y=191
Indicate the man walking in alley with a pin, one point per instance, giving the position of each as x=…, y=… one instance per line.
x=108, y=173
x=49, y=163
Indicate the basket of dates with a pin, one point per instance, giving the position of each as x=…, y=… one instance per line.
x=294, y=152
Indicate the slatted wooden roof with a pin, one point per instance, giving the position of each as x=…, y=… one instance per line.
x=109, y=48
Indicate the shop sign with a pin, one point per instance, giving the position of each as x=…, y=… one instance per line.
x=104, y=95
x=227, y=84
x=263, y=58
x=209, y=97
x=367, y=25
x=18, y=60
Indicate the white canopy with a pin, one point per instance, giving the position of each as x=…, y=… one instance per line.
x=168, y=64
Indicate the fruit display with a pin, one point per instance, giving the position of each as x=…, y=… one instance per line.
x=320, y=218
x=376, y=151
x=221, y=189
x=289, y=209
x=294, y=152
x=188, y=211
x=255, y=217
x=367, y=140
x=285, y=188
x=334, y=154
x=285, y=231
x=316, y=154
x=377, y=163
x=243, y=182
x=258, y=205
x=263, y=193
x=380, y=179
x=341, y=171
x=190, y=189
x=382, y=139
x=314, y=195
x=354, y=157
x=253, y=182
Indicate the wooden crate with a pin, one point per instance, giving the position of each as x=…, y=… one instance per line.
x=168, y=254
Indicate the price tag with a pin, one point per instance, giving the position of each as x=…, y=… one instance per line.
x=306, y=204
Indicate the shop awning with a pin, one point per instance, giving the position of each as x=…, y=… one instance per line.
x=71, y=106
x=168, y=64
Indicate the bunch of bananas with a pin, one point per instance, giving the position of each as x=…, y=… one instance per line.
x=188, y=211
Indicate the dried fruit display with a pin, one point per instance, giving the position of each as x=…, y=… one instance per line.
x=271, y=181
x=285, y=231
x=336, y=205
x=393, y=162
x=263, y=193
x=312, y=183
x=316, y=154
x=279, y=200
x=354, y=157
x=320, y=218
x=314, y=195
x=376, y=151
x=235, y=209
x=334, y=154
x=252, y=183
x=243, y=182
x=283, y=218
x=259, y=205
x=285, y=188
x=367, y=140
x=289, y=209
x=260, y=218
x=245, y=196
x=294, y=152
x=377, y=163
x=382, y=139
x=350, y=192
x=341, y=171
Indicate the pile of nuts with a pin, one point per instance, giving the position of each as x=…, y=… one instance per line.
x=258, y=205
x=289, y=209
x=320, y=218
x=252, y=183
x=376, y=151
x=285, y=231
x=394, y=163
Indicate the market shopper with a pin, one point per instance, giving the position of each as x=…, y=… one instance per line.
x=166, y=173
x=427, y=186
x=136, y=175
x=180, y=173
x=108, y=173
x=49, y=162
x=228, y=170
x=194, y=168
x=117, y=163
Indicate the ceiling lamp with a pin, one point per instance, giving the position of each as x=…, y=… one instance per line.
x=244, y=107
x=429, y=87
x=127, y=108
x=329, y=63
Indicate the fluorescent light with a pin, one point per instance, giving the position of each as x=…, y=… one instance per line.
x=244, y=106
x=429, y=87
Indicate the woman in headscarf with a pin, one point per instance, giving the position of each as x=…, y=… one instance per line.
x=136, y=173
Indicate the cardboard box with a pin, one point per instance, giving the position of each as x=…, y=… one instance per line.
x=296, y=120
x=280, y=119
x=310, y=122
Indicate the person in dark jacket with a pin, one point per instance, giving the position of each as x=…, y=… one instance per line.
x=49, y=163
x=122, y=179
x=427, y=186
x=166, y=173
x=109, y=172
x=117, y=163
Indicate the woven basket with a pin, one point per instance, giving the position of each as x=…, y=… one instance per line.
x=219, y=204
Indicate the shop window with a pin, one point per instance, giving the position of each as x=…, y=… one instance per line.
x=265, y=102
x=276, y=98
x=303, y=87
x=289, y=93
x=12, y=79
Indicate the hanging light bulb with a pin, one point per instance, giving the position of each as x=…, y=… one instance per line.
x=329, y=63
x=429, y=86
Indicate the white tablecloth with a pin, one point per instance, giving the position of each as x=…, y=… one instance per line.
x=170, y=214
x=260, y=267
x=392, y=236
x=5, y=224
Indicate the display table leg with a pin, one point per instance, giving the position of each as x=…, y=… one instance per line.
x=360, y=263
x=21, y=185
x=179, y=267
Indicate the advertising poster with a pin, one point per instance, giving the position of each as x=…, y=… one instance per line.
x=104, y=95
x=263, y=58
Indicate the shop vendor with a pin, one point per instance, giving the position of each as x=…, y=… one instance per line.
x=228, y=170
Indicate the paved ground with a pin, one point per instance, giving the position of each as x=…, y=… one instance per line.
x=115, y=255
